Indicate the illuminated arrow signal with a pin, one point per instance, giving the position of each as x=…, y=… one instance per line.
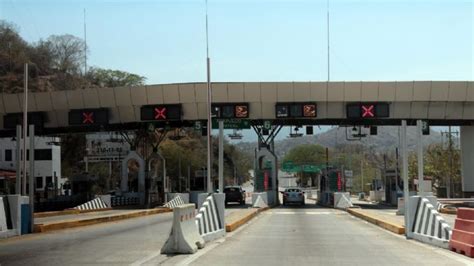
x=368, y=111
x=88, y=117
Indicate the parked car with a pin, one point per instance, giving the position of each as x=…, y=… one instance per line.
x=234, y=194
x=293, y=195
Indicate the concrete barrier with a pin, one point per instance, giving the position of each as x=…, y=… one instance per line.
x=175, y=202
x=259, y=203
x=183, y=196
x=400, y=206
x=3, y=216
x=95, y=204
x=184, y=237
x=107, y=199
x=462, y=240
x=201, y=198
x=262, y=195
x=342, y=200
x=426, y=224
x=210, y=218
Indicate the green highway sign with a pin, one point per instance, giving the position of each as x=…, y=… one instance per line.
x=232, y=124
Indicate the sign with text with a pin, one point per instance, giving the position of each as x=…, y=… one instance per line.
x=232, y=124
x=160, y=112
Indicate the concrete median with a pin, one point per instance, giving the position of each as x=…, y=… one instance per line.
x=72, y=223
x=238, y=219
x=388, y=225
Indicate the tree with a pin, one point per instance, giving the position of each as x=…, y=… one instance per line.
x=311, y=153
x=113, y=78
x=67, y=51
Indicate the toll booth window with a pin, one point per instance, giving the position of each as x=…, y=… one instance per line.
x=8, y=155
x=39, y=182
x=282, y=111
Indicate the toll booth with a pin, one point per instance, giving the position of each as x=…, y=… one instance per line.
x=331, y=181
x=393, y=186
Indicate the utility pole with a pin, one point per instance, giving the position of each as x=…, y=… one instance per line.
x=25, y=128
x=209, y=103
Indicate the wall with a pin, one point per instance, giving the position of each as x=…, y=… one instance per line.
x=43, y=168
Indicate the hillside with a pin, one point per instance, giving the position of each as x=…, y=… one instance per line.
x=387, y=139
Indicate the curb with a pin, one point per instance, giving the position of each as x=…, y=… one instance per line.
x=66, y=212
x=394, y=228
x=448, y=210
x=229, y=227
x=41, y=228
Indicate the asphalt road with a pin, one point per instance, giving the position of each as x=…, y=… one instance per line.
x=116, y=243
x=317, y=236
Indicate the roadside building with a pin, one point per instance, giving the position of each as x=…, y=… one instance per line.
x=47, y=165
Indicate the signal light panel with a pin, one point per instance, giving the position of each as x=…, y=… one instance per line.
x=367, y=110
x=295, y=110
x=85, y=117
x=161, y=112
x=230, y=110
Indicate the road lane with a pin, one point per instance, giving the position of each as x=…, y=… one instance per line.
x=320, y=236
x=116, y=243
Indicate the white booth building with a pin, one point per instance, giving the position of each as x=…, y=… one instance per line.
x=47, y=160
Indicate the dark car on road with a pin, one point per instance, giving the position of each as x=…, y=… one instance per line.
x=234, y=194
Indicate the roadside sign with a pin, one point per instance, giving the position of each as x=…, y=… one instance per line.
x=232, y=124
x=197, y=125
x=267, y=124
x=348, y=173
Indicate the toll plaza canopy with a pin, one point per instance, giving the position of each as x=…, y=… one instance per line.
x=283, y=103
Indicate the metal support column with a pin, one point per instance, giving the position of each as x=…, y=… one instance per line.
x=419, y=127
x=221, y=156
x=18, y=160
x=32, y=177
x=405, y=173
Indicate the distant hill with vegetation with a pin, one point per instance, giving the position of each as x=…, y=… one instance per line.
x=386, y=140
